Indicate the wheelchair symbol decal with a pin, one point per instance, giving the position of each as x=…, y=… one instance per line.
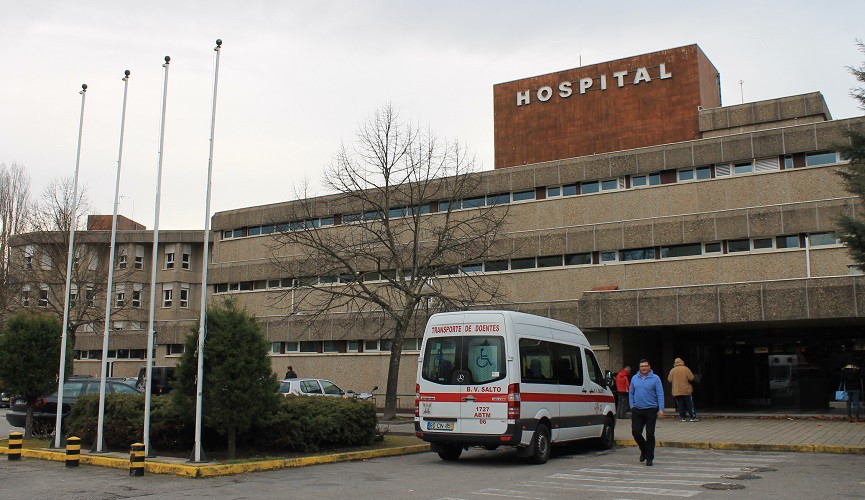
x=483, y=360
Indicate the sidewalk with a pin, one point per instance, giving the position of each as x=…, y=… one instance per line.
x=802, y=435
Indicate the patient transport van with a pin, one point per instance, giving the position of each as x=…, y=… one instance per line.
x=503, y=378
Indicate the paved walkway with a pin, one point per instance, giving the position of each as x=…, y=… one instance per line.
x=815, y=435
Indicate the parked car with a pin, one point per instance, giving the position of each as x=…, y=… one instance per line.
x=45, y=413
x=5, y=399
x=163, y=379
x=310, y=387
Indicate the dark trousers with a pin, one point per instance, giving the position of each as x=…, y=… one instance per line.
x=622, y=405
x=640, y=418
x=852, y=402
x=685, y=405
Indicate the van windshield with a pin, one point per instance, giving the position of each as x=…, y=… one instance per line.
x=481, y=358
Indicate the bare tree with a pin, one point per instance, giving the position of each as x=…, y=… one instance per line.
x=14, y=204
x=38, y=260
x=400, y=245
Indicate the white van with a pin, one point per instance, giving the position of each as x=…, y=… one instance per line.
x=503, y=378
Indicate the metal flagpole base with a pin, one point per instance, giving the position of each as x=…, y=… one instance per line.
x=203, y=460
x=94, y=448
x=62, y=442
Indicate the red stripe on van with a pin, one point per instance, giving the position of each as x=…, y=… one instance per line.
x=456, y=397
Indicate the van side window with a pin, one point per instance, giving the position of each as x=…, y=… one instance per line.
x=594, y=369
x=570, y=365
x=536, y=362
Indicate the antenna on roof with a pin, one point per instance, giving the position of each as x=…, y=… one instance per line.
x=742, y=90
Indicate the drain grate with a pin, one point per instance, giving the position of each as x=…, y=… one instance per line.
x=759, y=469
x=724, y=486
x=746, y=475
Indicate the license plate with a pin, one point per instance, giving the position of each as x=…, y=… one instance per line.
x=440, y=426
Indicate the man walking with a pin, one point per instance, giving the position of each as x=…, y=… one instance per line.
x=851, y=376
x=681, y=377
x=623, y=385
x=290, y=373
x=646, y=396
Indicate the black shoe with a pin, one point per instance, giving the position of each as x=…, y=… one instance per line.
x=649, y=462
x=642, y=457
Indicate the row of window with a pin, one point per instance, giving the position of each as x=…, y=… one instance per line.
x=579, y=188
x=341, y=346
x=120, y=296
x=122, y=260
x=559, y=260
x=170, y=350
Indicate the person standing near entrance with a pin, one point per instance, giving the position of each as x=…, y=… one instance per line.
x=851, y=376
x=290, y=373
x=646, y=396
x=681, y=377
x=623, y=385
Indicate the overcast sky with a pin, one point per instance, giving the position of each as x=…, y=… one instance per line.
x=296, y=78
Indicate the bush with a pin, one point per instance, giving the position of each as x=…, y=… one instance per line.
x=299, y=424
x=307, y=424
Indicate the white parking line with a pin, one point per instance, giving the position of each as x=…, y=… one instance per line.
x=724, y=463
x=728, y=455
x=626, y=489
x=584, y=477
x=495, y=492
x=664, y=466
x=648, y=473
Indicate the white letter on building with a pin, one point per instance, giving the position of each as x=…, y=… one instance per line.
x=603, y=82
x=565, y=89
x=641, y=76
x=522, y=98
x=664, y=74
x=620, y=76
x=585, y=83
x=544, y=94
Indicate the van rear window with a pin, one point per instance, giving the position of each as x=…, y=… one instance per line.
x=480, y=358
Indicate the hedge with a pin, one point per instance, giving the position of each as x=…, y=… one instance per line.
x=300, y=424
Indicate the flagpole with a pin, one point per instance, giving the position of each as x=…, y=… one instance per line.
x=202, y=330
x=100, y=441
x=154, y=260
x=73, y=216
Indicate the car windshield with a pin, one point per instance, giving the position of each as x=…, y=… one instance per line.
x=284, y=386
x=330, y=387
x=482, y=357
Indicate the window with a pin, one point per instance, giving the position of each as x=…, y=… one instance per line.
x=738, y=246
x=498, y=199
x=174, y=349
x=524, y=195
x=46, y=261
x=686, y=175
x=310, y=387
x=186, y=257
x=788, y=162
x=167, y=296
x=227, y=234
x=120, y=300
x=569, y=364
x=743, y=168
x=637, y=254
x=550, y=261
x=25, y=296
x=590, y=187
x=330, y=388
x=763, y=243
x=385, y=345
x=609, y=256
x=254, y=231
x=352, y=346
x=536, y=362
x=169, y=257
x=713, y=247
x=28, y=256
x=483, y=357
x=445, y=206
x=139, y=257
x=554, y=191
x=310, y=346
x=220, y=288
x=791, y=241
x=123, y=388
x=639, y=181
x=578, y=259
x=599, y=338
x=277, y=348
x=292, y=347
x=474, y=202
x=120, y=326
x=121, y=261
x=688, y=250
x=184, y=296
x=704, y=173
x=411, y=344
x=73, y=296
x=331, y=346
x=89, y=295
x=594, y=369
x=370, y=346
x=822, y=239
x=136, y=298
x=495, y=265
x=610, y=185
x=43, y=297
x=526, y=263
x=472, y=268
x=326, y=221
x=823, y=158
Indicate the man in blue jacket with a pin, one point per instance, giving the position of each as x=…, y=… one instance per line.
x=646, y=396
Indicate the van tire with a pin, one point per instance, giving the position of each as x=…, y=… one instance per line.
x=541, y=444
x=608, y=434
x=450, y=453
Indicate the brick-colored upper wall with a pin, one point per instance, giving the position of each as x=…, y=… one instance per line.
x=635, y=115
x=103, y=223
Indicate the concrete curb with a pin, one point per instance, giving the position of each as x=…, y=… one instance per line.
x=796, y=448
x=183, y=470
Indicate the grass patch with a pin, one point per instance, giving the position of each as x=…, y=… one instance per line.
x=31, y=443
x=389, y=442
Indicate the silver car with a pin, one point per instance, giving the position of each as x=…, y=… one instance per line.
x=310, y=387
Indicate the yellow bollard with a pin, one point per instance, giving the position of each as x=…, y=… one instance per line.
x=15, y=443
x=73, y=452
x=136, y=460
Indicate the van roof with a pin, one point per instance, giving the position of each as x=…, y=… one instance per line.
x=516, y=316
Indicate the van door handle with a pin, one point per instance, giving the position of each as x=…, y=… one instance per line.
x=468, y=398
x=584, y=391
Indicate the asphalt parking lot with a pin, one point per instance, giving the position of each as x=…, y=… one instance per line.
x=571, y=472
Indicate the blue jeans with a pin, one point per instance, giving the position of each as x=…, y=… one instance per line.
x=853, y=399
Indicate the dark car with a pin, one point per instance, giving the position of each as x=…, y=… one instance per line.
x=163, y=380
x=5, y=400
x=45, y=413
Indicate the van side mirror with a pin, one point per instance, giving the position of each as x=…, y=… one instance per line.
x=608, y=378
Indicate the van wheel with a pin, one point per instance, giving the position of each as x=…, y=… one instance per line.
x=542, y=445
x=608, y=434
x=450, y=453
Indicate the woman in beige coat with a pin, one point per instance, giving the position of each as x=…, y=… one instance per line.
x=681, y=377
